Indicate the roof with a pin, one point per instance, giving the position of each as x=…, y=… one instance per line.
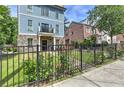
x=59, y=7
x=79, y=23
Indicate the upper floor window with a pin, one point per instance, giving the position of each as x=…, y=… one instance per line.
x=30, y=25
x=57, y=29
x=66, y=34
x=57, y=15
x=29, y=8
x=72, y=33
x=44, y=11
x=45, y=27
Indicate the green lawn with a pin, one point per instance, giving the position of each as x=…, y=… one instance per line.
x=87, y=56
x=12, y=68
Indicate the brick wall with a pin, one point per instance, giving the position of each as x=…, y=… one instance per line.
x=23, y=40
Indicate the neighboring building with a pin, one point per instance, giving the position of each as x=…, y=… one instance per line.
x=120, y=38
x=105, y=37
x=40, y=24
x=78, y=32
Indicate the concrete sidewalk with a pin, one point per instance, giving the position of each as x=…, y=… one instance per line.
x=111, y=75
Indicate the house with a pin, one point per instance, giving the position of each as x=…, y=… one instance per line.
x=78, y=32
x=105, y=37
x=40, y=24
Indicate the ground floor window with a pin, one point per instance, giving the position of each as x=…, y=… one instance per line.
x=30, y=41
x=57, y=41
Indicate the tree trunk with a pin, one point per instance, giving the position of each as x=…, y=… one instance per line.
x=111, y=35
x=111, y=39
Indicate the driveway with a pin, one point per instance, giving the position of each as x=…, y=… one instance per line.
x=111, y=75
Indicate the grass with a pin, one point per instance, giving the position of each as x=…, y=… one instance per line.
x=12, y=69
x=87, y=56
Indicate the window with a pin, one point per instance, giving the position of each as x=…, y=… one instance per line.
x=44, y=11
x=45, y=27
x=71, y=33
x=57, y=29
x=30, y=41
x=30, y=25
x=88, y=29
x=66, y=34
x=29, y=7
x=57, y=15
x=51, y=29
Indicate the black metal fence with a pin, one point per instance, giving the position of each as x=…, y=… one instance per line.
x=31, y=66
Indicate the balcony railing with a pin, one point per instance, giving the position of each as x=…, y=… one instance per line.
x=47, y=30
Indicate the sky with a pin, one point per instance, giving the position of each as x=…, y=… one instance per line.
x=13, y=9
x=77, y=12
x=73, y=12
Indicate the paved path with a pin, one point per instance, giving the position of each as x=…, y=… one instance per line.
x=111, y=75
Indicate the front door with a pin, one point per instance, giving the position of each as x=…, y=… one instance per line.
x=44, y=44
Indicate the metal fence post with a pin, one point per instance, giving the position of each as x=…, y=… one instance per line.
x=37, y=69
x=102, y=52
x=115, y=51
x=0, y=64
x=81, y=58
x=94, y=52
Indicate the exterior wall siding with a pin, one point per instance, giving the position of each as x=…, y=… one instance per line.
x=37, y=18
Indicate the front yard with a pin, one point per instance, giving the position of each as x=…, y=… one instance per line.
x=20, y=69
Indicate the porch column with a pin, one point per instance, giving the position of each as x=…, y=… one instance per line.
x=54, y=42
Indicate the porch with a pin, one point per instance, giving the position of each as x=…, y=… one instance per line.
x=46, y=41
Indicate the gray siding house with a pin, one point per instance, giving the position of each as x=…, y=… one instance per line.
x=40, y=24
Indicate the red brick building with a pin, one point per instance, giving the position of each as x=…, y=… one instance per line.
x=78, y=32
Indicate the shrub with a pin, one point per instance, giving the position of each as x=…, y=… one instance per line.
x=44, y=68
x=76, y=44
x=105, y=43
x=30, y=70
x=15, y=49
x=99, y=57
x=110, y=51
x=64, y=64
x=120, y=53
x=9, y=49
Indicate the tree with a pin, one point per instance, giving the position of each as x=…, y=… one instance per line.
x=66, y=21
x=8, y=26
x=109, y=19
x=13, y=33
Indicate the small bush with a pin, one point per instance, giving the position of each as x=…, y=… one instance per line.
x=30, y=70
x=120, y=53
x=15, y=49
x=99, y=57
x=110, y=51
x=44, y=68
x=9, y=49
x=64, y=64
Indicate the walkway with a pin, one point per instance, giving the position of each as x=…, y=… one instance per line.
x=111, y=75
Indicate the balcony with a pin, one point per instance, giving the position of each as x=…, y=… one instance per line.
x=46, y=32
